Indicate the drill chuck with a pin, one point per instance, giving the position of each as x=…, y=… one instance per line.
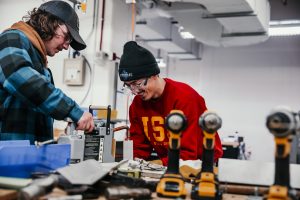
x=210, y=122
x=282, y=122
x=176, y=122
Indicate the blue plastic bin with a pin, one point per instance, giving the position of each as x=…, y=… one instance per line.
x=20, y=159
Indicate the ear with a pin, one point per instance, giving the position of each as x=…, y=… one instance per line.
x=154, y=77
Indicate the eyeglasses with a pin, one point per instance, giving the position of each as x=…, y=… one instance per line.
x=136, y=86
x=67, y=37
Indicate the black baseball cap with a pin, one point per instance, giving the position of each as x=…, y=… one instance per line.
x=63, y=11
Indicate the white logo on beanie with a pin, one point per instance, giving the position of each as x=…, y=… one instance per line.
x=125, y=75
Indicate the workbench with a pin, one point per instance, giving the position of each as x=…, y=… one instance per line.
x=238, y=172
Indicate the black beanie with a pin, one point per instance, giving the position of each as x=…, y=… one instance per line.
x=136, y=62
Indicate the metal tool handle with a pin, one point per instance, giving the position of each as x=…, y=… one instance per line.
x=39, y=187
x=91, y=108
x=122, y=192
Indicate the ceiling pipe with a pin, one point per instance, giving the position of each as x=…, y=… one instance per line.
x=217, y=22
x=102, y=24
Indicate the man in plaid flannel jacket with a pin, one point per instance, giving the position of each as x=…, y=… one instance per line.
x=29, y=100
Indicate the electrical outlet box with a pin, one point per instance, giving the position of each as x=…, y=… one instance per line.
x=74, y=71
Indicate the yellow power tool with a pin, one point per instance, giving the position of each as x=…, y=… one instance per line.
x=206, y=186
x=172, y=184
x=282, y=123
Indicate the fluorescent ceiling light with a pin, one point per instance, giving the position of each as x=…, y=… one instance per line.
x=284, y=31
x=284, y=28
x=185, y=34
x=284, y=22
x=161, y=63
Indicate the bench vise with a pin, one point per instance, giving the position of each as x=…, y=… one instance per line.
x=98, y=144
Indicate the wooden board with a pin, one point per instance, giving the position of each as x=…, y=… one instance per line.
x=8, y=194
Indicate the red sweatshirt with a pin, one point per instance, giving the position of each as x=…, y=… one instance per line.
x=147, y=119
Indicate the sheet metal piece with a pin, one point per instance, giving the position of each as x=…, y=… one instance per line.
x=88, y=172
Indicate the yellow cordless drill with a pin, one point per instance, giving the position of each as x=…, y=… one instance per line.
x=172, y=184
x=206, y=186
x=282, y=123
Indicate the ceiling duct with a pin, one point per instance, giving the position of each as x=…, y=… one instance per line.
x=217, y=22
x=161, y=33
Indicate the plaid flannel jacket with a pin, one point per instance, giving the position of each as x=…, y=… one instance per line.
x=28, y=99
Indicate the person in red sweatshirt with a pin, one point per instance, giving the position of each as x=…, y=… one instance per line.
x=154, y=98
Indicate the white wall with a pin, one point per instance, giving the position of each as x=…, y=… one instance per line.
x=243, y=84
x=12, y=11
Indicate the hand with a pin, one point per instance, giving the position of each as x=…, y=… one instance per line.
x=86, y=122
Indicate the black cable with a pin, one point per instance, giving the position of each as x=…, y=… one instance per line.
x=90, y=82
